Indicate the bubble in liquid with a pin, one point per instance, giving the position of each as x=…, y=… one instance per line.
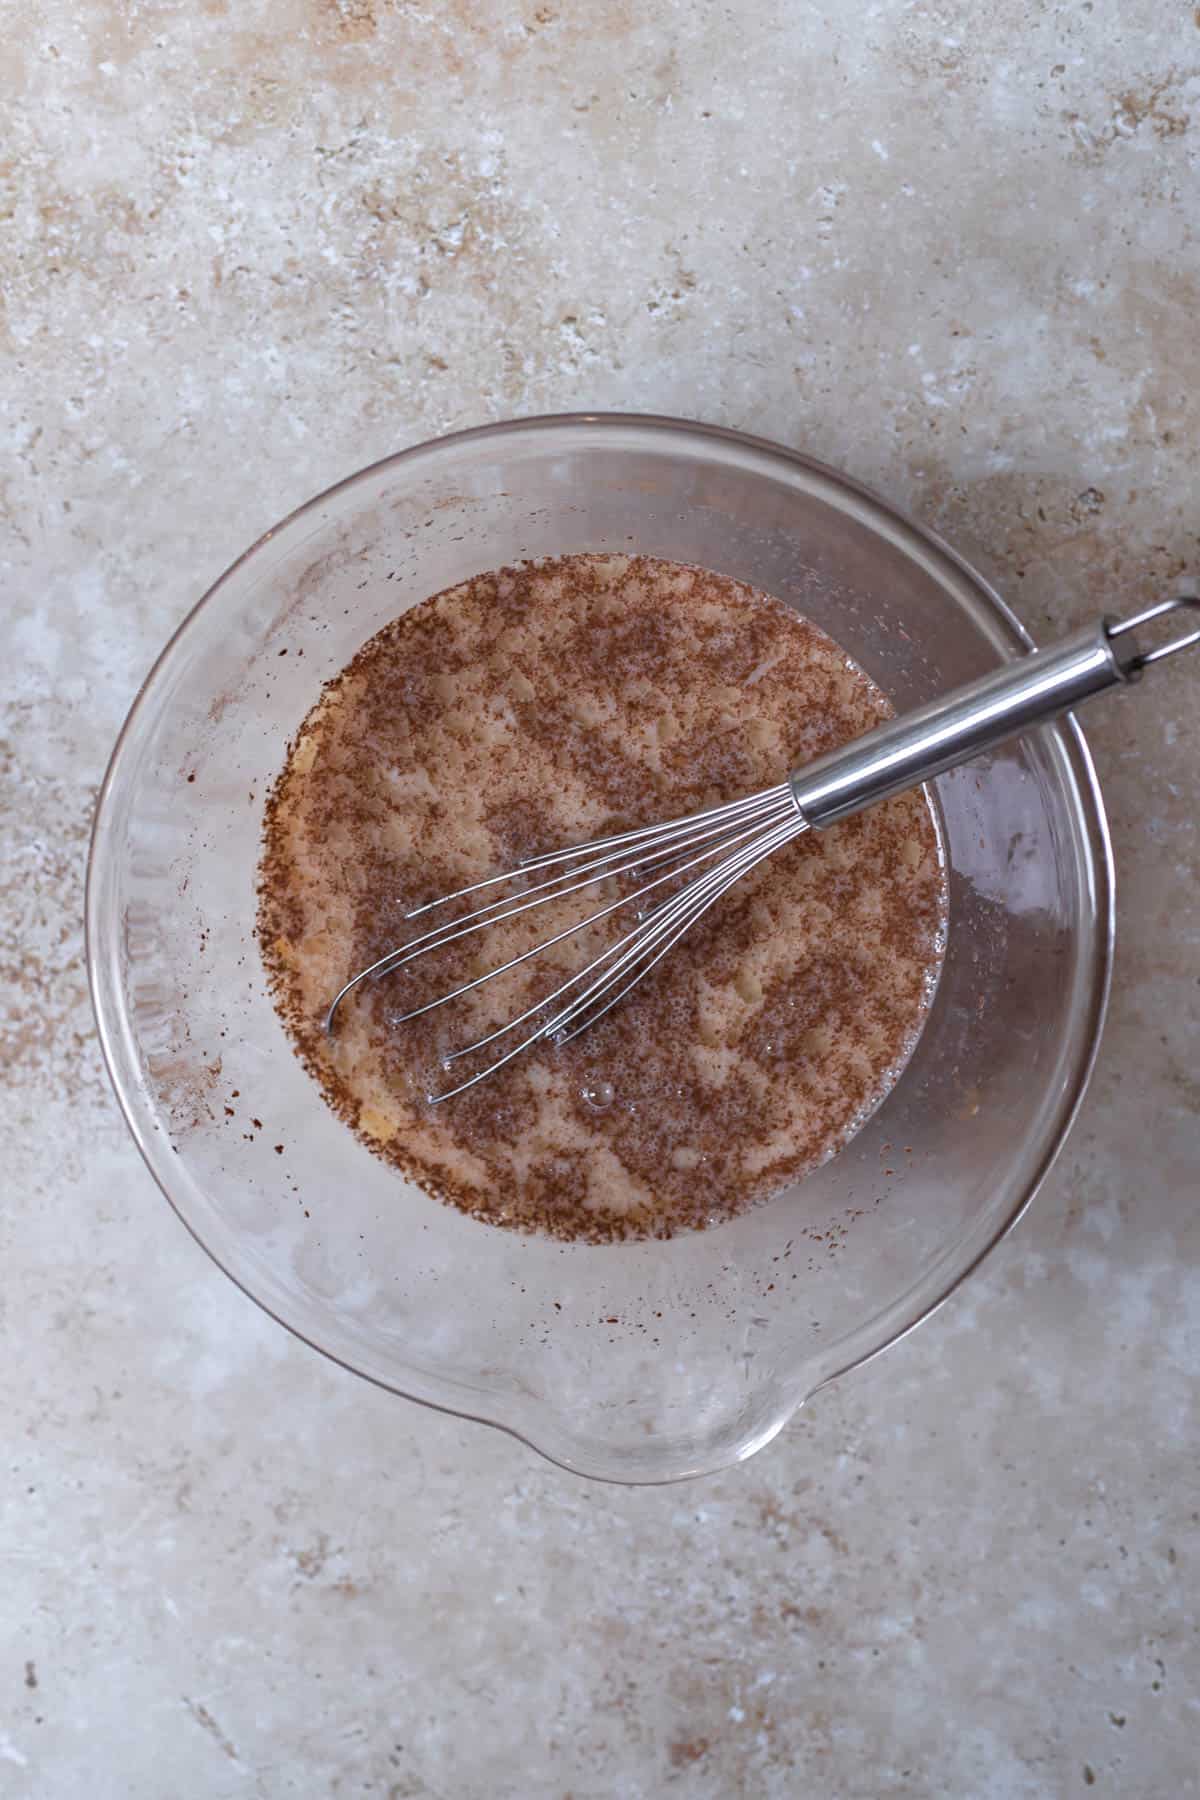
x=599, y=1095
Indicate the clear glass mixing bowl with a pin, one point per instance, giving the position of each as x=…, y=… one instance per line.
x=641, y=1361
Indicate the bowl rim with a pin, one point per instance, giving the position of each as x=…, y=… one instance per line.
x=1067, y=729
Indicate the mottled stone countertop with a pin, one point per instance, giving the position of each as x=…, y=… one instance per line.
x=950, y=246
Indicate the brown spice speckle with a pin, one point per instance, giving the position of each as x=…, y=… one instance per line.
x=686, y=1751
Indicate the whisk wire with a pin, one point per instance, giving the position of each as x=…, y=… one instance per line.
x=737, y=823
x=688, y=916
x=717, y=818
x=731, y=811
x=639, y=950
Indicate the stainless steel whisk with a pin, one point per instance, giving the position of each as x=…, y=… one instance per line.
x=732, y=839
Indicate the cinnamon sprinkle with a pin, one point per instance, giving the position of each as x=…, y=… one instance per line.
x=548, y=703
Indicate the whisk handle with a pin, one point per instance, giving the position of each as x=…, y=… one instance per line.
x=958, y=726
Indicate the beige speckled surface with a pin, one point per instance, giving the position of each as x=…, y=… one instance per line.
x=952, y=248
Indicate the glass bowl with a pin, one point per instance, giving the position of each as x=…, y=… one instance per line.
x=640, y=1361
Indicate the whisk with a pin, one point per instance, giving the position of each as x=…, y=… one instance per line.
x=716, y=847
